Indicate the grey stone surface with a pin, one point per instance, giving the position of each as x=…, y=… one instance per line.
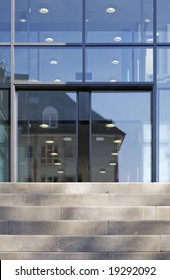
x=139, y=227
x=3, y=227
x=30, y=213
x=139, y=256
x=165, y=243
x=22, y=243
x=53, y=256
x=108, y=213
x=163, y=213
x=108, y=243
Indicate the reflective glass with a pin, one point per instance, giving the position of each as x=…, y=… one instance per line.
x=48, y=64
x=5, y=20
x=116, y=21
x=46, y=136
x=163, y=20
x=163, y=67
x=119, y=64
x=4, y=135
x=121, y=137
x=5, y=71
x=164, y=135
x=48, y=21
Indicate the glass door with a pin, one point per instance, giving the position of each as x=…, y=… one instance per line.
x=121, y=136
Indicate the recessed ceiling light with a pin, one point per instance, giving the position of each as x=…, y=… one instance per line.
x=100, y=139
x=23, y=20
x=53, y=62
x=49, y=40
x=57, y=80
x=113, y=81
x=115, y=61
x=67, y=139
x=54, y=154
x=43, y=11
x=49, y=141
x=117, y=141
x=114, y=154
x=109, y=125
x=57, y=163
x=112, y=163
x=110, y=10
x=117, y=39
x=102, y=171
x=60, y=171
x=44, y=125
x=150, y=40
x=147, y=20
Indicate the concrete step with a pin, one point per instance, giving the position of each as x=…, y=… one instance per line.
x=85, y=256
x=84, y=200
x=86, y=188
x=103, y=243
x=103, y=213
x=84, y=228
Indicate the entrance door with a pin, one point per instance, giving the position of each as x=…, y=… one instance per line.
x=69, y=136
x=121, y=136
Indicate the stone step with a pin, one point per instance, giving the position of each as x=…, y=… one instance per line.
x=78, y=188
x=84, y=228
x=116, y=213
x=53, y=243
x=84, y=200
x=85, y=256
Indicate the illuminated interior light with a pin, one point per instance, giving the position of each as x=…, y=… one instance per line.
x=109, y=125
x=117, y=141
x=44, y=125
x=54, y=154
x=43, y=11
x=100, y=139
x=110, y=10
x=67, y=139
x=115, y=61
x=49, y=141
x=102, y=171
x=53, y=62
x=49, y=40
x=117, y=39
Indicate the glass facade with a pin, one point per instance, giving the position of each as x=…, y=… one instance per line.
x=75, y=66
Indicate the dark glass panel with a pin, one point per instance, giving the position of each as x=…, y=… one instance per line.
x=5, y=20
x=47, y=148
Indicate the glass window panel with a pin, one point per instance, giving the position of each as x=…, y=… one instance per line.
x=5, y=71
x=119, y=21
x=5, y=20
x=53, y=21
x=121, y=137
x=48, y=64
x=163, y=67
x=119, y=64
x=164, y=135
x=163, y=20
x=4, y=135
x=49, y=160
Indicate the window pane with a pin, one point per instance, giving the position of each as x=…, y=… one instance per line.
x=121, y=137
x=56, y=21
x=48, y=64
x=119, y=64
x=5, y=71
x=5, y=20
x=119, y=21
x=164, y=135
x=163, y=73
x=4, y=135
x=163, y=20
x=46, y=153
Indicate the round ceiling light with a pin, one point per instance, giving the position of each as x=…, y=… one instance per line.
x=49, y=141
x=49, y=40
x=115, y=61
x=53, y=62
x=109, y=125
x=117, y=39
x=43, y=11
x=44, y=125
x=110, y=10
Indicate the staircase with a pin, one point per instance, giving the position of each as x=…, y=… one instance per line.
x=84, y=221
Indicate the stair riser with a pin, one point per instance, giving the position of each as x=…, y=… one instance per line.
x=84, y=228
x=84, y=244
x=83, y=200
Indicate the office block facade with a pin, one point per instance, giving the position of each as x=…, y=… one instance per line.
x=84, y=91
